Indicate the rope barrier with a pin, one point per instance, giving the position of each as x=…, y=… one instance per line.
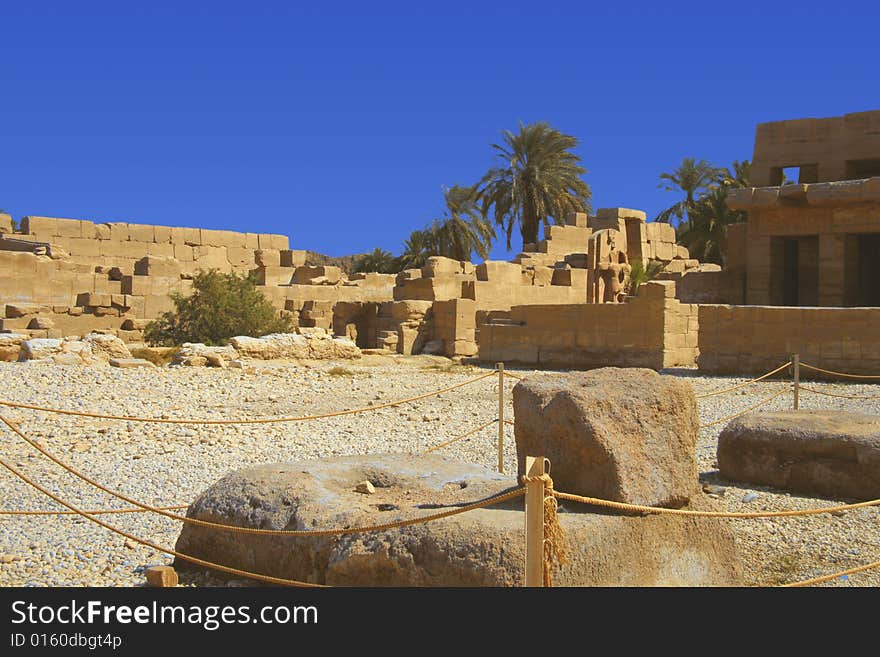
x=510, y=422
x=743, y=412
x=832, y=372
x=744, y=384
x=833, y=394
x=826, y=578
x=93, y=513
x=269, y=579
x=638, y=508
x=518, y=377
x=271, y=420
x=553, y=547
x=461, y=437
x=252, y=530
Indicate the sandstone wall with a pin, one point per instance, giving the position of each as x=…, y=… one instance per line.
x=833, y=148
x=651, y=330
x=756, y=339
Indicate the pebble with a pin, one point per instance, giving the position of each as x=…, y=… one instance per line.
x=749, y=497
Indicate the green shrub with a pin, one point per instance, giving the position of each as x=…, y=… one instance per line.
x=642, y=274
x=220, y=307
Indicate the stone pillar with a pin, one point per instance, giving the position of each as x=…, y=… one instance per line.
x=832, y=269
x=758, y=271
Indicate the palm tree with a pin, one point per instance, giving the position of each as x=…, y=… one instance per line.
x=706, y=231
x=738, y=175
x=463, y=229
x=378, y=260
x=692, y=177
x=419, y=246
x=540, y=178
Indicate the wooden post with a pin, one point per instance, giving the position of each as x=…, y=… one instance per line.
x=796, y=372
x=501, y=418
x=535, y=467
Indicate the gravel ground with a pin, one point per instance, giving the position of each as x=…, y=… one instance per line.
x=172, y=464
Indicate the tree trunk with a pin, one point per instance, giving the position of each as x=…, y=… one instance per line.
x=529, y=225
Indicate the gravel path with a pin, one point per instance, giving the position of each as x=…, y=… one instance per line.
x=172, y=464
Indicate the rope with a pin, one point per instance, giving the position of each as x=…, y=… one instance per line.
x=826, y=578
x=832, y=394
x=318, y=416
x=744, y=384
x=513, y=376
x=184, y=557
x=251, y=530
x=462, y=436
x=832, y=372
x=510, y=422
x=623, y=506
x=554, y=551
x=743, y=412
x=93, y=513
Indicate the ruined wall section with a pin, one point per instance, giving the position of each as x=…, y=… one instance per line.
x=651, y=330
x=757, y=339
x=61, y=277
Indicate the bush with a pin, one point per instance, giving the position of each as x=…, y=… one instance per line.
x=642, y=273
x=220, y=307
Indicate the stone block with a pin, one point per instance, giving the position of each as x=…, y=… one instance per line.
x=141, y=233
x=826, y=453
x=627, y=435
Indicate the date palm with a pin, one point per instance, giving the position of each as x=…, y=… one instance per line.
x=705, y=234
x=540, y=179
x=378, y=260
x=692, y=177
x=420, y=245
x=463, y=229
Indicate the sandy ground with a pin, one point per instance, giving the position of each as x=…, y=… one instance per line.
x=172, y=464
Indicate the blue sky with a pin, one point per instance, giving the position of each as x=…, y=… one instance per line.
x=339, y=124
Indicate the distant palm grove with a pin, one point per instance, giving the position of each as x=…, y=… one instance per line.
x=537, y=182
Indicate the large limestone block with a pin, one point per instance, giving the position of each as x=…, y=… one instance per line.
x=307, y=275
x=197, y=353
x=46, y=348
x=442, y=266
x=154, y=265
x=24, y=309
x=410, y=309
x=484, y=547
x=620, y=434
x=105, y=347
x=141, y=232
x=5, y=223
x=834, y=453
x=268, y=347
x=10, y=346
x=273, y=275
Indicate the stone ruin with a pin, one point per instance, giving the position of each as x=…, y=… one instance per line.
x=651, y=461
x=65, y=277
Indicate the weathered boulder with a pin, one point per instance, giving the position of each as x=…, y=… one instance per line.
x=195, y=354
x=10, y=346
x=67, y=351
x=484, y=547
x=105, y=347
x=14, y=310
x=311, y=344
x=126, y=363
x=834, y=453
x=38, y=348
x=623, y=434
x=276, y=345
